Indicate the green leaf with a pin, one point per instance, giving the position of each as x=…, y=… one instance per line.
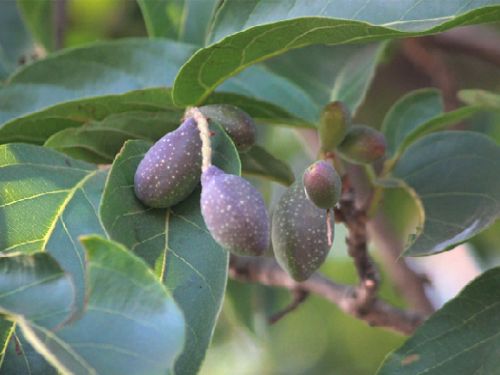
x=38, y=16
x=482, y=98
x=131, y=325
x=101, y=68
x=186, y=20
x=461, y=338
x=258, y=162
x=455, y=174
x=175, y=242
x=248, y=32
x=22, y=359
x=100, y=141
x=47, y=201
x=416, y=114
x=15, y=41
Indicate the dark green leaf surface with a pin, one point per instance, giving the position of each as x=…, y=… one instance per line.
x=186, y=20
x=15, y=41
x=130, y=325
x=416, y=114
x=271, y=28
x=455, y=174
x=461, y=338
x=175, y=242
x=38, y=16
x=258, y=162
x=97, y=69
x=47, y=201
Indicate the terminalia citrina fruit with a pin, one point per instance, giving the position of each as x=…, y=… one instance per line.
x=299, y=233
x=234, y=212
x=362, y=144
x=171, y=168
x=322, y=184
x=238, y=124
x=334, y=122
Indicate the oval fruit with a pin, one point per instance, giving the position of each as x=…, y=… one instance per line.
x=299, y=233
x=322, y=184
x=171, y=168
x=234, y=212
x=362, y=144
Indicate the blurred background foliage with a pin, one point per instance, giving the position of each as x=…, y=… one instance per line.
x=316, y=338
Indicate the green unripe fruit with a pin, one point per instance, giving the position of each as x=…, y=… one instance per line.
x=299, y=233
x=362, y=144
x=333, y=124
x=238, y=124
x=234, y=212
x=170, y=170
x=322, y=184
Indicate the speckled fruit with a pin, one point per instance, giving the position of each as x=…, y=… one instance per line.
x=237, y=123
x=299, y=233
x=333, y=124
x=234, y=212
x=362, y=144
x=171, y=168
x=322, y=184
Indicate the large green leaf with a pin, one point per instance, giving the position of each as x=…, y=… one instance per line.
x=38, y=16
x=251, y=31
x=258, y=162
x=47, y=201
x=131, y=325
x=455, y=174
x=416, y=114
x=175, y=242
x=15, y=41
x=461, y=338
x=97, y=69
x=186, y=20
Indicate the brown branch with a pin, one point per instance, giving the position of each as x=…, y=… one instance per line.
x=389, y=246
x=266, y=271
x=299, y=296
x=59, y=23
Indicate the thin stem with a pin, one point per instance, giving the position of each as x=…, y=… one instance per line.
x=206, y=148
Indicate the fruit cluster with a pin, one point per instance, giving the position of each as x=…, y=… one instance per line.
x=233, y=210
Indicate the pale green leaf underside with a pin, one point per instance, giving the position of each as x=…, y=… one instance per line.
x=455, y=175
x=47, y=201
x=175, y=242
x=130, y=325
x=461, y=338
x=482, y=98
x=271, y=28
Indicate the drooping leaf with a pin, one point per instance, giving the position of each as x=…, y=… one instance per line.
x=461, y=338
x=131, y=325
x=455, y=174
x=47, y=201
x=416, y=114
x=248, y=32
x=258, y=162
x=101, y=68
x=15, y=41
x=186, y=20
x=38, y=16
x=175, y=242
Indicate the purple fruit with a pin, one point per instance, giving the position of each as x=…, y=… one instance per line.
x=362, y=144
x=299, y=233
x=238, y=124
x=322, y=184
x=171, y=168
x=234, y=212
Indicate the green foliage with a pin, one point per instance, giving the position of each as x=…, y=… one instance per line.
x=459, y=338
x=92, y=281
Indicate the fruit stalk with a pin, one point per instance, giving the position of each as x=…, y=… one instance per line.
x=206, y=148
